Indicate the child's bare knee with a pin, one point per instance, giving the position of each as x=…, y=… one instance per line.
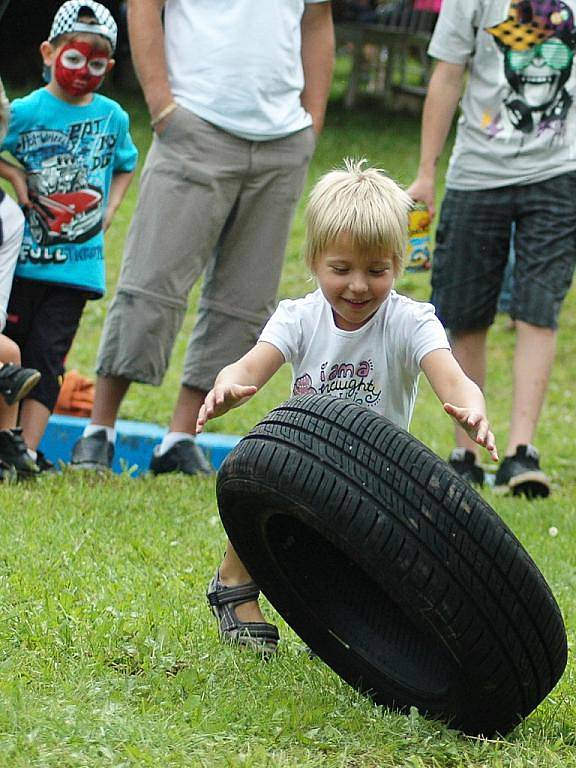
x=9, y=350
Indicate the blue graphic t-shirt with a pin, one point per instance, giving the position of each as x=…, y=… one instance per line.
x=70, y=154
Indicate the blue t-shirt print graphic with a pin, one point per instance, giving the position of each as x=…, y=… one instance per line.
x=70, y=154
x=65, y=207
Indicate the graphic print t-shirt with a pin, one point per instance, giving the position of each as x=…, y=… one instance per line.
x=70, y=154
x=518, y=121
x=376, y=366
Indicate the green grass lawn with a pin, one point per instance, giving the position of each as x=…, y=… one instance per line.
x=108, y=654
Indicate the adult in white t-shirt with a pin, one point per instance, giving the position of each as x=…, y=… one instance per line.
x=237, y=93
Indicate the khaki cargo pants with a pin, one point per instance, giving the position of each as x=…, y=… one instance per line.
x=214, y=204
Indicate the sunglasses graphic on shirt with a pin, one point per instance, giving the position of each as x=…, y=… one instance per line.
x=554, y=52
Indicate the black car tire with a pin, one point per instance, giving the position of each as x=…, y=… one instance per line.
x=391, y=568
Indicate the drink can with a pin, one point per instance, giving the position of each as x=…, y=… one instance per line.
x=419, y=253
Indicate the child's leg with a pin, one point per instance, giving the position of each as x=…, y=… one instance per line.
x=233, y=599
x=45, y=318
x=232, y=574
x=33, y=420
x=15, y=381
x=9, y=353
x=9, y=350
x=469, y=348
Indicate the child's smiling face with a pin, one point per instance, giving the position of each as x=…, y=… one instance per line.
x=355, y=284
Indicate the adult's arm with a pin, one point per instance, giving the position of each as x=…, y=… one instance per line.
x=317, y=59
x=146, y=36
x=442, y=99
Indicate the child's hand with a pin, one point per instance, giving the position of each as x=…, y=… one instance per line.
x=220, y=399
x=476, y=425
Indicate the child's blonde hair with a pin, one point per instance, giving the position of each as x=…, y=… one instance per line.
x=362, y=203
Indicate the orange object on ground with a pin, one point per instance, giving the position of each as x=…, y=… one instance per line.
x=76, y=396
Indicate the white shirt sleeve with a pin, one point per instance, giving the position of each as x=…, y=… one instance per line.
x=423, y=334
x=284, y=331
x=429, y=334
x=454, y=36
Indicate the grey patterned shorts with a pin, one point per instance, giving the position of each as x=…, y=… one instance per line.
x=472, y=244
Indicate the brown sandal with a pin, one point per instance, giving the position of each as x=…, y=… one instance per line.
x=258, y=635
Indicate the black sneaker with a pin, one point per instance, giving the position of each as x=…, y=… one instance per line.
x=521, y=474
x=16, y=382
x=8, y=473
x=44, y=464
x=184, y=456
x=13, y=451
x=463, y=462
x=94, y=452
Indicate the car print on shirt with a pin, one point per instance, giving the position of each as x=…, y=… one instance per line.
x=64, y=207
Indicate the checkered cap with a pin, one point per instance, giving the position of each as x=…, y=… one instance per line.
x=66, y=20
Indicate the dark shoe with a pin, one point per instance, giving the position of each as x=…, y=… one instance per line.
x=258, y=635
x=184, y=456
x=8, y=473
x=13, y=451
x=464, y=463
x=94, y=452
x=521, y=474
x=44, y=464
x=16, y=382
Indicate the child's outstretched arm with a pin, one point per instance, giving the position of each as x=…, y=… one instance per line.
x=120, y=183
x=237, y=382
x=461, y=397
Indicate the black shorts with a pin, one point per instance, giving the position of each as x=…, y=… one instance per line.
x=472, y=244
x=42, y=320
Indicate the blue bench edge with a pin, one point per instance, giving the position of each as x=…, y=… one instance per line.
x=134, y=444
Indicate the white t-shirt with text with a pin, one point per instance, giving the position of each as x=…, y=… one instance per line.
x=376, y=366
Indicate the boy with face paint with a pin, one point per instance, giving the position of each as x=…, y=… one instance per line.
x=75, y=161
x=79, y=67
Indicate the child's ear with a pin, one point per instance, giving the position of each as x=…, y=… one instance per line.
x=47, y=52
x=110, y=65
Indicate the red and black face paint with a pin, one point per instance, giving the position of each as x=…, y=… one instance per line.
x=80, y=68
